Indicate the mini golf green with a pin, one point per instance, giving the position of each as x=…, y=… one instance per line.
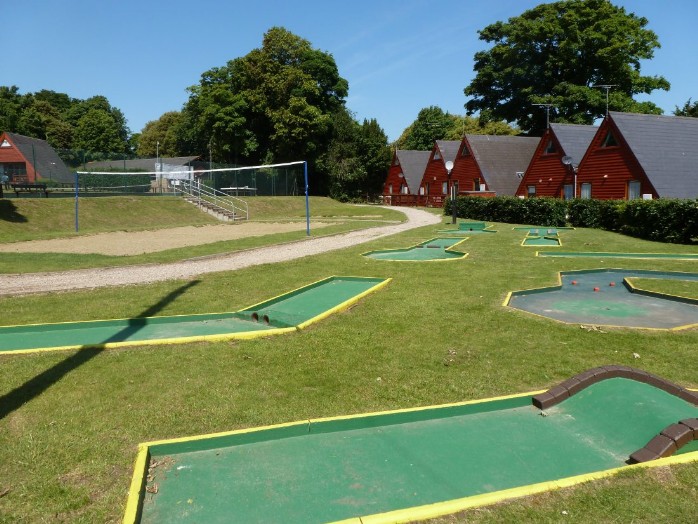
x=599, y=254
x=605, y=297
x=431, y=250
x=288, y=312
x=548, y=240
x=468, y=228
x=415, y=464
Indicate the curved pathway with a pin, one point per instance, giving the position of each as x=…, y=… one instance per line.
x=21, y=284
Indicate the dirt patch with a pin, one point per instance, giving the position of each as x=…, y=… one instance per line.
x=122, y=243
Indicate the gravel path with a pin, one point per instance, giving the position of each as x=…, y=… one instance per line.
x=21, y=284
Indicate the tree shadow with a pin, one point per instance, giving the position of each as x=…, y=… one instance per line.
x=9, y=213
x=36, y=386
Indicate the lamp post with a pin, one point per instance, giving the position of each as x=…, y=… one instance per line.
x=567, y=161
x=449, y=168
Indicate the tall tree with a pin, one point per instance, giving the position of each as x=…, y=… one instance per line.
x=11, y=102
x=159, y=136
x=274, y=104
x=433, y=124
x=356, y=158
x=688, y=109
x=555, y=54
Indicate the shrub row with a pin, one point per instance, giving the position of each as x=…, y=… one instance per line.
x=664, y=220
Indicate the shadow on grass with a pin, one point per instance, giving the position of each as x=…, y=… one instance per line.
x=36, y=386
x=9, y=213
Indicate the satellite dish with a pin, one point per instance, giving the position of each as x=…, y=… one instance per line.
x=449, y=166
x=567, y=160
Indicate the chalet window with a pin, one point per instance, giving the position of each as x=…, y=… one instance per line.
x=586, y=190
x=390, y=189
x=531, y=191
x=404, y=189
x=476, y=184
x=437, y=155
x=634, y=188
x=444, y=188
x=568, y=192
x=550, y=147
x=464, y=151
x=609, y=140
x=421, y=190
x=428, y=192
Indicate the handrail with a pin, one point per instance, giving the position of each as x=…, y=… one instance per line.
x=214, y=199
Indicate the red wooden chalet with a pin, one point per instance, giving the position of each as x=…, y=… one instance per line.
x=492, y=165
x=436, y=183
x=547, y=175
x=26, y=160
x=641, y=156
x=401, y=186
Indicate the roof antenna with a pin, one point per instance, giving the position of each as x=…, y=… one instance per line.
x=607, y=87
x=547, y=113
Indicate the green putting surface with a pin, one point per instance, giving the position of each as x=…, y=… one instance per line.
x=435, y=249
x=604, y=297
x=597, y=254
x=335, y=469
x=289, y=311
x=541, y=241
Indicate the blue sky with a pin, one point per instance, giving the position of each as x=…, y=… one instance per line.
x=398, y=56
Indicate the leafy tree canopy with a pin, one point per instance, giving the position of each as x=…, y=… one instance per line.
x=160, y=136
x=62, y=121
x=554, y=53
x=433, y=123
x=688, y=109
x=274, y=104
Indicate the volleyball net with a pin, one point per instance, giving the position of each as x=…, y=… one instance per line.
x=283, y=179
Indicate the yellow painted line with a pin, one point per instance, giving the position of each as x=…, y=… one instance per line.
x=619, y=254
x=456, y=505
x=135, y=491
x=510, y=294
x=406, y=514
x=247, y=335
x=344, y=305
x=416, y=246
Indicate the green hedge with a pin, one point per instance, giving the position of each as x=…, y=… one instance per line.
x=663, y=220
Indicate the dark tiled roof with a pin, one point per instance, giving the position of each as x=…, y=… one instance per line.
x=667, y=149
x=39, y=153
x=139, y=164
x=413, y=164
x=449, y=149
x=574, y=139
x=500, y=157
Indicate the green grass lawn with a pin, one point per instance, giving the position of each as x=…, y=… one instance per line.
x=70, y=421
x=41, y=219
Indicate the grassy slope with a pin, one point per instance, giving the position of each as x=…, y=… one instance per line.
x=34, y=219
x=437, y=334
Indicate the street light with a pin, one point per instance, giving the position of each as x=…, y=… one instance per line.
x=567, y=161
x=449, y=168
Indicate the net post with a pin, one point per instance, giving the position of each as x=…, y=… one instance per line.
x=76, y=201
x=307, y=204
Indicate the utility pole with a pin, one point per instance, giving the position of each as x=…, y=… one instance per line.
x=607, y=87
x=547, y=113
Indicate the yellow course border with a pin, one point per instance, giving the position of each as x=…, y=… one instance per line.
x=246, y=335
x=621, y=255
x=449, y=248
x=507, y=300
x=138, y=481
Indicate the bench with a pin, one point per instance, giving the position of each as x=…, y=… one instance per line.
x=30, y=188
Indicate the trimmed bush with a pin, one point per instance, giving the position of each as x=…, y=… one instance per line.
x=663, y=220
